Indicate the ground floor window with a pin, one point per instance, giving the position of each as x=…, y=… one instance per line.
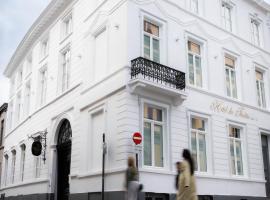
x=153, y=136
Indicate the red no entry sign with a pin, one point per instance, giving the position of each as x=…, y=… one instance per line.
x=137, y=138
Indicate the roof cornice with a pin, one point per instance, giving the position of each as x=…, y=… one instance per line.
x=46, y=18
x=263, y=4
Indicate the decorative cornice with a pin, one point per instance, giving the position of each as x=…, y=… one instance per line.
x=46, y=18
x=262, y=4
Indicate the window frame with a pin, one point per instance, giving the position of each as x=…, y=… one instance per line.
x=67, y=18
x=27, y=98
x=260, y=68
x=254, y=19
x=5, y=182
x=63, y=52
x=13, y=166
x=43, y=72
x=243, y=148
x=166, y=142
x=162, y=36
x=22, y=162
x=37, y=167
x=44, y=50
x=225, y=4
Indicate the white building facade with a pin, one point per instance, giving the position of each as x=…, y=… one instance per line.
x=185, y=73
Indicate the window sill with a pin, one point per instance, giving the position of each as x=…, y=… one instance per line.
x=28, y=182
x=156, y=170
x=232, y=178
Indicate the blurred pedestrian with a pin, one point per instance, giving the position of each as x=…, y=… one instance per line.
x=132, y=180
x=177, y=175
x=187, y=186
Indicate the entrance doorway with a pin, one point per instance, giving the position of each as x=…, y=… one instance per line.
x=63, y=160
x=266, y=163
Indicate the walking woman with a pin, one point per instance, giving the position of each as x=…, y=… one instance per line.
x=132, y=180
x=186, y=186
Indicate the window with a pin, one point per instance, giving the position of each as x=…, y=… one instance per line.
x=28, y=64
x=194, y=6
x=67, y=26
x=12, y=86
x=236, y=150
x=6, y=170
x=198, y=143
x=13, y=165
x=37, y=168
x=151, y=41
x=65, y=67
x=230, y=77
x=255, y=29
x=23, y=147
x=18, y=108
x=43, y=85
x=2, y=132
x=227, y=16
x=19, y=79
x=10, y=118
x=153, y=136
x=27, y=96
x=44, y=51
x=260, y=88
x=194, y=62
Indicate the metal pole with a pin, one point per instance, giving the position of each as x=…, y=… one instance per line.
x=103, y=167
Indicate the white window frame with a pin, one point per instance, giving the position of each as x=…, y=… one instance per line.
x=10, y=115
x=162, y=36
x=27, y=98
x=194, y=6
x=165, y=114
x=208, y=136
x=19, y=77
x=243, y=148
x=238, y=75
x=13, y=166
x=62, y=77
x=19, y=107
x=22, y=162
x=44, y=48
x=203, y=49
x=28, y=65
x=254, y=19
x=228, y=4
x=5, y=182
x=67, y=21
x=43, y=83
x=37, y=166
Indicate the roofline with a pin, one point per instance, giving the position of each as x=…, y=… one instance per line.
x=48, y=15
x=263, y=4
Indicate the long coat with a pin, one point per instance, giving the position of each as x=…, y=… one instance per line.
x=186, y=183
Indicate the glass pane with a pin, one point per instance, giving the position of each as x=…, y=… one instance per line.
x=158, y=145
x=194, y=149
x=232, y=156
x=228, y=84
x=194, y=48
x=152, y=113
x=156, y=50
x=202, y=153
x=233, y=80
x=198, y=71
x=151, y=28
x=147, y=144
x=146, y=46
x=263, y=95
x=258, y=93
x=259, y=75
x=198, y=124
x=191, y=69
x=234, y=132
x=229, y=62
x=239, y=157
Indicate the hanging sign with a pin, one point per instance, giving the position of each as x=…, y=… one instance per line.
x=36, y=148
x=137, y=138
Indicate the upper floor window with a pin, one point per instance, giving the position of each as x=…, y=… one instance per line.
x=153, y=136
x=13, y=165
x=260, y=88
x=22, y=164
x=236, y=155
x=44, y=49
x=227, y=15
x=194, y=6
x=2, y=132
x=27, y=98
x=12, y=86
x=151, y=48
x=43, y=85
x=28, y=65
x=255, y=30
x=19, y=77
x=230, y=74
x=194, y=64
x=65, y=70
x=67, y=26
x=198, y=143
x=18, y=107
x=10, y=115
x=6, y=170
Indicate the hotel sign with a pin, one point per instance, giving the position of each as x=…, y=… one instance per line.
x=222, y=107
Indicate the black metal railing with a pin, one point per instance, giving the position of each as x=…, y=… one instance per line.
x=156, y=72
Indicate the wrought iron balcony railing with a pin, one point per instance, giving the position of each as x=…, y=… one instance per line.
x=149, y=70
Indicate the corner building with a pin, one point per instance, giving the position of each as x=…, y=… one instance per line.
x=185, y=73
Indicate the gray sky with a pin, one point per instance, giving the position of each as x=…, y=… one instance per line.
x=16, y=17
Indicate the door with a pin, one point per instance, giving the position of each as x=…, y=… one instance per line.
x=63, y=160
x=265, y=151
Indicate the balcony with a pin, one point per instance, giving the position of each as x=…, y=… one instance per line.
x=150, y=77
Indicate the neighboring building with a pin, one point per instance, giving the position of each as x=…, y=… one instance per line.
x=3, y=111
x=185, y=73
